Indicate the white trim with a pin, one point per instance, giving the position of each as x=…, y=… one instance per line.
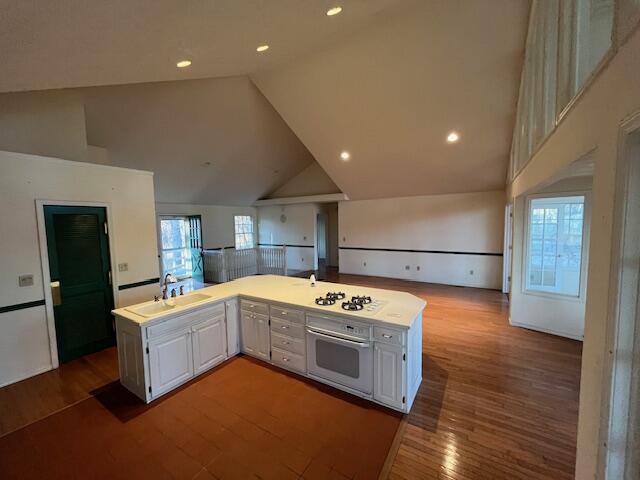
x=615, y=416
x=44, y=261
x=73, y=163
x=327, y=198
x=37, y=371
x=586, y=237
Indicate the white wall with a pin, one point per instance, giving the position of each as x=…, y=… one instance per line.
x=217, y=220
x=24, y=337
x=298, y=232
x=469, y=224
x=593, y=125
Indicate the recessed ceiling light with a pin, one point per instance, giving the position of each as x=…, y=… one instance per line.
x=262, y=48
x=345, y=155
x=334, y=11
x=453, y=137
x=183, y=63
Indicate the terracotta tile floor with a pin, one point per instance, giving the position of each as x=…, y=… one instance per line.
x=241, y=420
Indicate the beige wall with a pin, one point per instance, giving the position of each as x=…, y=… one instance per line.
x=313, y=180
x=592, y=124
x=43, y=123
x=471, y=223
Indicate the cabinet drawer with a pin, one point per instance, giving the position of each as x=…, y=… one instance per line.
x=254, y=316
x=293, y=316
x=255, y=307
x=187, y=319
x=288, y=360
x=388, y=335
x=289, y=329
x=282, y=342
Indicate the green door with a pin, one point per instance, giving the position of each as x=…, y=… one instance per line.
x=78, y=249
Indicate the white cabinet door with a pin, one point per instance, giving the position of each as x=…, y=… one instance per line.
x=263, y=339
x=388, y=375
x=248, y=333
x=209, y=341
x=233, y=328
x=170, y=361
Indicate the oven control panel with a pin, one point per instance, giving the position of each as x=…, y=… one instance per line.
x=346, y=327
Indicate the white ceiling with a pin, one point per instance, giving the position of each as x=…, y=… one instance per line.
x=391, y=92
x=175, y=128
x=77, y=43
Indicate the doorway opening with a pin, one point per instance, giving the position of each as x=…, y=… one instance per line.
x=621, y=444
x=326, y=241
x=81, y=283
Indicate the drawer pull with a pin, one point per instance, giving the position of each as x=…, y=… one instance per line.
x=285, y=359
x=283, y=313
x=284, y=342
x=284, y=327
x=386, y=335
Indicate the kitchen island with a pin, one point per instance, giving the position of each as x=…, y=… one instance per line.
x=365, y=341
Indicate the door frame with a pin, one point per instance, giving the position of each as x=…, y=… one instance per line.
x=507, y=248
x=44, y=260
x=616, y=400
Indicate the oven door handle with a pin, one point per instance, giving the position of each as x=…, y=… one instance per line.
x=320, y=333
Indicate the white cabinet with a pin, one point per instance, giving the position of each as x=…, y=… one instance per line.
x=248, y=333
x=209, y=341
x=233, y=328
x=170, y=361
x=263, y=340
x=388, y=384
x=255, y=334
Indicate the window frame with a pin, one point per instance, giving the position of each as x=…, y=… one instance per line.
x=584, y=253
x=161, y=250
x=253, y=232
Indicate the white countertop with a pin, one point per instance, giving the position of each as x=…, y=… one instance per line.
x=399, y=308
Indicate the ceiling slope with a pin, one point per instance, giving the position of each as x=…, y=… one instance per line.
x=391, y=92
x=80, y=43
x=212, y=142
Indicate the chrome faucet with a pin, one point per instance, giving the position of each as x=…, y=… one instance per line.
x=168, y=278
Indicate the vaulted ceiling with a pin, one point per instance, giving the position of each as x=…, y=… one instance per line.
x=385, y=80
x=391, y=93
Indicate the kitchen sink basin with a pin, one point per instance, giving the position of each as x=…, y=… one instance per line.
x=188, y=299
x=151, y=309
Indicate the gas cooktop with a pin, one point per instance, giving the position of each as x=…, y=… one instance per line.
x=355, y=304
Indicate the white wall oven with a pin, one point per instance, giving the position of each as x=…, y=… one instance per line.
x=341, y=352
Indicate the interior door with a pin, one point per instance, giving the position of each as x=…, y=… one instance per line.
x=79, y=264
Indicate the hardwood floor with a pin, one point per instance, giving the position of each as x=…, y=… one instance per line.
x=496, y=402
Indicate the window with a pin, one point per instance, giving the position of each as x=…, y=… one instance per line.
x=554, y=245
x=175, y=240
x=565, y=43
x=244, y=231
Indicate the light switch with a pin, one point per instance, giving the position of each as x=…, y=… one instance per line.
x=25, y=280
x=123, y=267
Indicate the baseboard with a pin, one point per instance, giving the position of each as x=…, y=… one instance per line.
x=547, y=330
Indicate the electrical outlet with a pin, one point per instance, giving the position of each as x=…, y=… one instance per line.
x=25, y=280
x=364, y=263
x=470, y=272
x=418, y=267
x=123, y=267
x=407, y=267
x=304, y=238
